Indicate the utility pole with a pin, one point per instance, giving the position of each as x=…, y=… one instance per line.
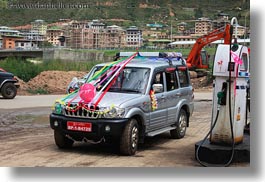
x=171, y=30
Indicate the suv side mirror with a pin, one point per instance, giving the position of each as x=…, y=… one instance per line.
x=158, y=88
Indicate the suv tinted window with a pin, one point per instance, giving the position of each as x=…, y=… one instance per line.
x=183, y=78
x=131, y=80
x=171, y=80
x=158, y=78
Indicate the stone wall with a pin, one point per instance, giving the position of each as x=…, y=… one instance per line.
x=75, y=55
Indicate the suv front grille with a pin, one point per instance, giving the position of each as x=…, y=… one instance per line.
x=83, y=113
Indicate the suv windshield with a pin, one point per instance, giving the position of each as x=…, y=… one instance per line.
x=130, y=80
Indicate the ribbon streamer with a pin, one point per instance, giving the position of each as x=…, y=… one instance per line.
x=113, y=79
x=87, y=91
x=238, y=62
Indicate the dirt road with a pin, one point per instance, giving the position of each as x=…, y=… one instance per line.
x=27, y=140
x=28, y=101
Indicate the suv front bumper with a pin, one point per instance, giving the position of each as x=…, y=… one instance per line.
x=98, y=127
x=17, y=85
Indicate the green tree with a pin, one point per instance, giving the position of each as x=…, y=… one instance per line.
x=45, y=44
x=198, y=13
x=3, y=4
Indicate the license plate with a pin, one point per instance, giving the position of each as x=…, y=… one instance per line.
x=78, y=126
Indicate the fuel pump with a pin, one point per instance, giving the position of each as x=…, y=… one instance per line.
x=231, y=72
x=229, y=94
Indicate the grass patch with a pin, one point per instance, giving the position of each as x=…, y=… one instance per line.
x=27, y=70
x=40, y=91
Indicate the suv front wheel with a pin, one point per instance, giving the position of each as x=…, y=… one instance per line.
x=180, y=131
x=61, y=141
x=9, y=91
x=129, y=138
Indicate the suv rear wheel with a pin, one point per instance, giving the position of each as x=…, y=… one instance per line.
x=9, y=91
x=61, y=141
x=180, y=131
x=130, y=138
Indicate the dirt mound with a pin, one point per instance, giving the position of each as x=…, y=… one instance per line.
x=23, y=87
x=193, y=74
x=201, y=83
x=49, y=82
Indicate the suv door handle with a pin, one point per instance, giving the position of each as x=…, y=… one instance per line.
x=163, y=97
x=178, y=94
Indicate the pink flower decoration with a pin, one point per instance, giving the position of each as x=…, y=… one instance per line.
x=87, y=92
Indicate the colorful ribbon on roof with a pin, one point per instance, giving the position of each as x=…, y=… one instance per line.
x=87, y=92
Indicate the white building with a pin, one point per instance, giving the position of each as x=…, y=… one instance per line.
x=7, y=31
x=33, y=35
x=26, y=44
x=134, y=37
x=96, y=24
x=40, y=26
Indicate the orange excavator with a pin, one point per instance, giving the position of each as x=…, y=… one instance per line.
x=198, y=58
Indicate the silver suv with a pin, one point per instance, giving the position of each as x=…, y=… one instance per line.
x=151, y=95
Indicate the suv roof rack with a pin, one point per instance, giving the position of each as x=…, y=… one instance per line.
x=151, y=54
x=168, y=56
x=144, y=54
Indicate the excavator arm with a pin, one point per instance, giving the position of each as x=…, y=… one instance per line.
x=194, y=60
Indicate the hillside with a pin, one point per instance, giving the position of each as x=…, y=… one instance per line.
x=120, y=12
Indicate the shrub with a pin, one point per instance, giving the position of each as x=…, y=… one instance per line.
x=27, y=70
x=38, y=91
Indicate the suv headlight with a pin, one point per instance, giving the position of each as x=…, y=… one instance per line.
x=114, y=112
x=57, y=108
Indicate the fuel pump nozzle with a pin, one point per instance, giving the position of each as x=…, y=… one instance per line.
x=222, y=95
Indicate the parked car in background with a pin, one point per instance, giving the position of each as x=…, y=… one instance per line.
x=76, y=83
x=8, y=84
